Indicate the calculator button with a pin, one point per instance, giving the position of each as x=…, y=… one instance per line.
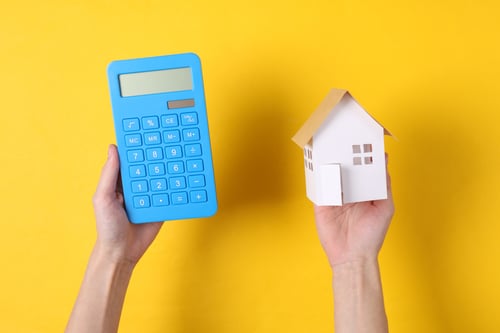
x=175, y=167
x=179, y=198
x=191, y=134
x=136, y=155
x=150, y=123
x=173, y=152
x=131, y=124
x=171, y=136
x=152, y=138
x=141, y=201
x=198, y=196
x=156, y=169
x=196, y=181
x=137, y=171
x=159, y=184
x=160, y=200
x=194, y=165
x=190, y=118
x=139, y=186
x=193, y=150
x=169, y=120
x=133, y=140
x=153, y=154
x=177, y=182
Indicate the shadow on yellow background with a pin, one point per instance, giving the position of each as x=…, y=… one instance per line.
x=427, y=70
x=256, y=169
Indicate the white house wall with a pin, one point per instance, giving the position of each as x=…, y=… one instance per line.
x=346, y=125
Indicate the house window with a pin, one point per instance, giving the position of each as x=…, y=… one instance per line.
x=362, y=157
x=308, y=159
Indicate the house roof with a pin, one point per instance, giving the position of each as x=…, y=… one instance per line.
x=306, y=132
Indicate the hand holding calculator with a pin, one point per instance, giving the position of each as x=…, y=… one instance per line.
x=162, y=136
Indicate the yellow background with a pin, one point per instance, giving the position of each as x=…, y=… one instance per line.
x=428, y=70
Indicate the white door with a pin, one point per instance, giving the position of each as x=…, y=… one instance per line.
x=330, y=185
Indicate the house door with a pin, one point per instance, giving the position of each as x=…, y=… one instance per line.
x=331, y=185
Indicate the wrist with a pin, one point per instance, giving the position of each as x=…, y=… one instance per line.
x=358, y=298
x=100, y=301
x=355, y=266
x=111, y=257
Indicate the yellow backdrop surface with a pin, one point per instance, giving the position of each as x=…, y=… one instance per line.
x=428, y=70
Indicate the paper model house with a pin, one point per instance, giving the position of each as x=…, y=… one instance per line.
x=344, y=156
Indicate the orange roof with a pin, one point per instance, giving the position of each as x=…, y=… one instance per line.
x=306, y=132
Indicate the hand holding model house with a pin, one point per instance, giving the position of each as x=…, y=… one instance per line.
x=347, y=180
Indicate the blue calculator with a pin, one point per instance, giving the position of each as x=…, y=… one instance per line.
x=162, y=136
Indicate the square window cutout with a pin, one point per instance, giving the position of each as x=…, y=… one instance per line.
x=356, y=149
x=356, y=160
x=367, y=148
x=368, y=160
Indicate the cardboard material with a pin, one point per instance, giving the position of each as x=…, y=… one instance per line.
x=344, y=155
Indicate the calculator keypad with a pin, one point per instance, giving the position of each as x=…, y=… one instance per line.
x=166, y=160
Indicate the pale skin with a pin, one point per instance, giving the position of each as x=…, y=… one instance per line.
x=351, y=236
x=119, y=246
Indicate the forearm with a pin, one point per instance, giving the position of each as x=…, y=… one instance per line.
x=358, y=298
x=100, y=300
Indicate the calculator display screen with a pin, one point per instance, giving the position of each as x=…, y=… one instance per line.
x=156, y=82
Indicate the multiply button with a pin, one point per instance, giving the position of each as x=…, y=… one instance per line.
x=194, y=165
